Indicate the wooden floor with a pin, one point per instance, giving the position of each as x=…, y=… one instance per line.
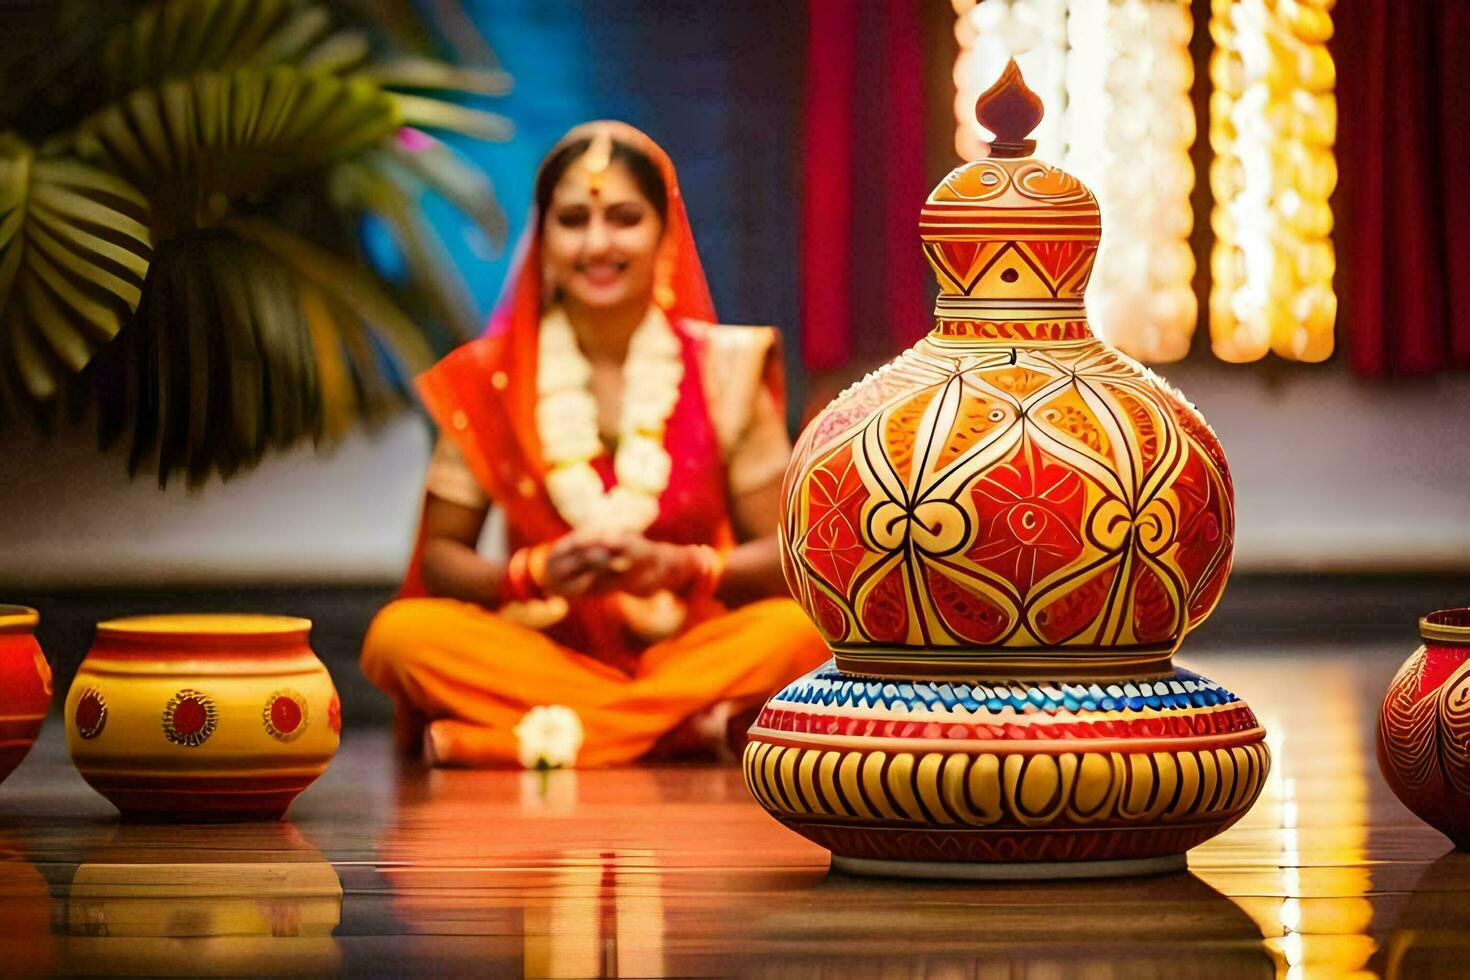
x=390, y=869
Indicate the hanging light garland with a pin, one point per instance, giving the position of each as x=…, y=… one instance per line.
x=1130, y=125
x=1122, y=70
x=1273, y=122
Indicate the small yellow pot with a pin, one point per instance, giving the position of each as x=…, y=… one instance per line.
x=202, y=717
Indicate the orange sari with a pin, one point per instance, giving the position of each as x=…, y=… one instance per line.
x=473, y=672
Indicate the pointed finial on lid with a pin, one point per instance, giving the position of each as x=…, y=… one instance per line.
x=1010, y=110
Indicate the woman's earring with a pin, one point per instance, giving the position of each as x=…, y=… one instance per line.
x=663, y=289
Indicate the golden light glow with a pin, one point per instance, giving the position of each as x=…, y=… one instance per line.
x=1313, y=908
x=1273, y=122
x=1115, y=76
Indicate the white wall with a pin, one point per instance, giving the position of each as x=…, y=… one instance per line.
x=1330, y=472
x=70, y=516
x=1333, y=472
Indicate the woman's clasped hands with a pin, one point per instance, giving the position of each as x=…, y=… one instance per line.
x=597, y=561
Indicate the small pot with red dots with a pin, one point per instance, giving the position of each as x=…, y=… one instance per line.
x=202, y=717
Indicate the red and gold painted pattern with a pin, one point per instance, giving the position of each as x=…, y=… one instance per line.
x=91, y=713
x=25, y=685
x=1424, y=727
x=1010, y=502
x=1011, y=229
x=1223, y=721
x=235, y=696
x=1055, y=330
x=189, y=718
x=285, y=715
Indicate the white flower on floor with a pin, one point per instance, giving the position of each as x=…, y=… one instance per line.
x=550, y=736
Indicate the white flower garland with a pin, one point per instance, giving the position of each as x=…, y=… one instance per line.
x=566, y=425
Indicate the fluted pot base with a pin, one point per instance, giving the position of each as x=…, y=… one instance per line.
x=1006, y=871
x=1006, y=779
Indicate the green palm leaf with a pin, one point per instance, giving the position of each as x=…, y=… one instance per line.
x=354, y=288
x=183, y=37
x=158, y=247
x=247, y=339
x=74, y=252
x=210, y=138
x=442, y=170
x=426, y=73
x=418, y=110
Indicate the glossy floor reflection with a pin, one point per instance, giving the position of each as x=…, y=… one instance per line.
x=388, y=869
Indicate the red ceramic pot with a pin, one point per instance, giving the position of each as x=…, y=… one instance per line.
x=1424, y=727
x=25, y=685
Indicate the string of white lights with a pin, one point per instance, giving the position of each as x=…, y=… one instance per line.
x=1116, y=75
x=1120, y=73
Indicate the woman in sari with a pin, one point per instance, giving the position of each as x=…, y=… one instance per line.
x=636, y=451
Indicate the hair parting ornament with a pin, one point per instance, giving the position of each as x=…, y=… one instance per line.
x=597, y=161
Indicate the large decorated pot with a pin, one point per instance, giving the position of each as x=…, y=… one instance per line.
x=202, y=717
x=25, y=685
x=1424, y=727
x=1004, y=535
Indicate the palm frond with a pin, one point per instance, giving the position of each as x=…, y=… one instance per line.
x=466, y=187
x=74, y=251
x=376, y=184
x=354, y=288
x=429, y=74
x=178, y=38
x=172, y=257
x=241, y=346
x=338, y=53
x=210, y=138
x=418, y=110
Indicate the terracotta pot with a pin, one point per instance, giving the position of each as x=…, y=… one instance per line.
x=1004, y=535
x=25, y=685
x=1424, y=727
x=202, y=717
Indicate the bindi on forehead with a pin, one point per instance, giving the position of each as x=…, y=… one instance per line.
x=607, y=187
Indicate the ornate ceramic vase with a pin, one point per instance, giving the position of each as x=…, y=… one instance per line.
x=1424, y=727
x=1004, y=535
x=25, y=685
x=199, y=718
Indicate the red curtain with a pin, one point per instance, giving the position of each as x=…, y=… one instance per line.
x=864, y=290
x=1404, y=192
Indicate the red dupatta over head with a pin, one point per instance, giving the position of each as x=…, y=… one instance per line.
x=483, y=394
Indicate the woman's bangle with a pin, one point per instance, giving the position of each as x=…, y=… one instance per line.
x=525, y=574
x=709, y=568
